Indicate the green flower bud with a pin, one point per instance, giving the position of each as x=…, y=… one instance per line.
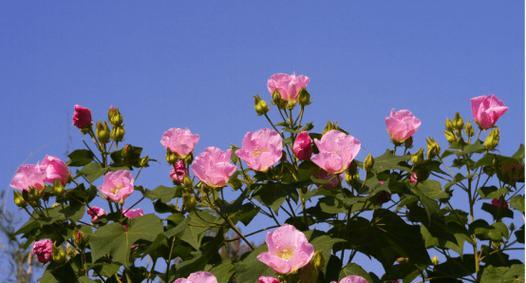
x=317, y=261
x=458, y=122
x=187, y=182
x=449, y=125
x=58, y=188
x=59, y=255
x=434, y=260
x=450, y=136
x=189, y=201
x=304, y=97
x=492, y=140
x=418, y=157
x=143, y=162
x=103, y=132
x=19, y=200
x=433, y=148
x=368, y=162
x=260, y=105
x=114, y=116
x=171, y=157
x=278, y=101
x=469, y=129
x=117, y=133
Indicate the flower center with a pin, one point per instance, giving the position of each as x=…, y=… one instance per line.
x=285, y=254
x=259, y=151
x=116, y=189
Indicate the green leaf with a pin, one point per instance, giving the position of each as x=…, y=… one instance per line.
x=517, y=202
x=514, y=273
x=497, y=212
x=115, y=239
x=250, y=268
x=389, y=161
x=163, y=193
x=92, y=171
x=80, y=157
x=432, y=190
x=223, y=272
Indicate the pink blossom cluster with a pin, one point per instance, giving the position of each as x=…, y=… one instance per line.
x=35, y=176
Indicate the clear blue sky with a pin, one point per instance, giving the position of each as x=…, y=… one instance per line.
x=175, y=64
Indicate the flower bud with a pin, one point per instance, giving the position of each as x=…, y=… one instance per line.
x=368, y=162
x=178, y=172
x=187, y=182
x=492, y=140
x=260, y=105
x=302, y=146
x=114, y=116
x=458, y=122
x=469, y=129
x=58, y=188
x=304, y=97
x=143, y=162
x=171, y=157
x=82, y=117
x=449, y=125
x=19, y=200
x=433, y=148
x=117, y=133
x=59, y=255
x=418, y=157
x=78, y=237
x=450, y=136
x=434, y=260
x=278, y=101
x=189, y=201
x=103, y=132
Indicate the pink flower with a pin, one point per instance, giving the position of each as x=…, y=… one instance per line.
x=413, y=178
x=179, y=141
x=288, y=250
x=213, y=167
x=81, y=117
x=261, y=149
x=198, y=277
x=95, y=213
x=133, y=213
x=288, y=86
x=499, y=203
x=401, y=125
x=336, y=151
x=29, y=176
x=55, y=169
x=43, y=249
x=487, y=109
x=117, y=185
x=352, y=279
x=302, y=147
x=267, y=279
x=178, y=172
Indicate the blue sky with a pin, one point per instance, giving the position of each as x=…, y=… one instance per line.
x=175, y=64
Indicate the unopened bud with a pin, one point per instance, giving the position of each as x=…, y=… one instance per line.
x=304, y=97
x=117, y=133
x=58, y=188
x=492, y=140
x=458, y=122
x=59, y=255
x=450, y=136
x=19, y=200
x=188, y=182
x=143, y=162
x=114, y=116
x=260, y=105
x=189, y=201
x=103, y=132
x=449, y=125
x=418, y=157
x=78, y=237
x=368, y=162
x=433, y=148
x=278, y=101
x=469, y=129
x=171, y=157
x=434, y=260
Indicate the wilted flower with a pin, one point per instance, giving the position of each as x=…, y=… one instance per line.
x=302, y=146
x=178, y=172
x=413, y=178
